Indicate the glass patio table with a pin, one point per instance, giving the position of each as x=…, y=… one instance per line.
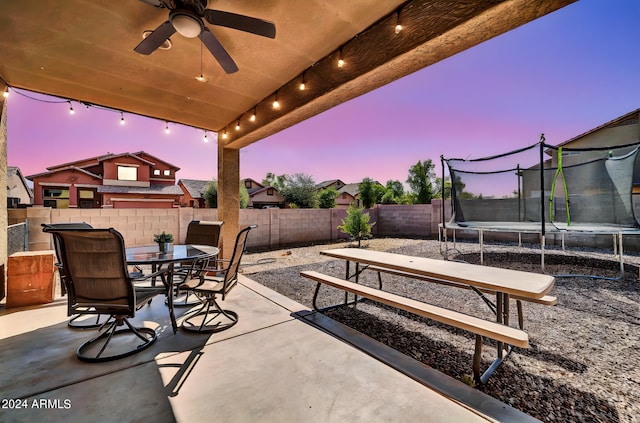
x=150, y=255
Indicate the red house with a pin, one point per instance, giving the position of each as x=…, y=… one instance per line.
x=127, y=180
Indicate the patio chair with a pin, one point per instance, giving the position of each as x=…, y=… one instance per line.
x=98, y=282
x=76, y=320
x=199, y=232
x=210, y=317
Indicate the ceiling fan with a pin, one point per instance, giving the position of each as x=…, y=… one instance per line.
x=185, y=17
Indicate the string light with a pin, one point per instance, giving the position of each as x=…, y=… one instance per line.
x=5, y=94
x=238, y=125
x=253, y=115
x=276, y=103
x=71, y=111
x=224, y=134
x=201, y=78
x=340, y=59
x=167, y=130
x=122, y=118
x=205, y=137
x=398, y=24
x=303, y=85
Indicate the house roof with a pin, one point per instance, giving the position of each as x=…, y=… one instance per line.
x=325, y=184
x=63, y=169
x=15, y=171
x=632, y=117
x=152, y=189
x=259, y=190
x=82, y=50
x=93, y=161
x=351, y=189
x=156, y=159
x=195, y=187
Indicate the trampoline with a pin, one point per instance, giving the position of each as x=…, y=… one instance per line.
x=543, y=189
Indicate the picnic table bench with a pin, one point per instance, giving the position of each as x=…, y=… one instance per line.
x=522, y=286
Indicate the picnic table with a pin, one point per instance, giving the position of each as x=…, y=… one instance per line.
x=505, y=283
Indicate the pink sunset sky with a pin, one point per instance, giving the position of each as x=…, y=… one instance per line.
x=560, y=75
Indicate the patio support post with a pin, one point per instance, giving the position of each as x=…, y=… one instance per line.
x=3, y=183
x=228, y=196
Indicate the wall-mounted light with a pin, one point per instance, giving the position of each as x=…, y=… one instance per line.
x=276, y=103
x=253, y=115
x=71, y=111
x=122, y=122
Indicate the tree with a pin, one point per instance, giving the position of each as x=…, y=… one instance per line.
x=327, y=198
x=370, y=191
x=393, y=193
x=271, y=180
x=211, y=195
x=356, y=223
x=300, y=189
x=438, y=188
x=421, y=177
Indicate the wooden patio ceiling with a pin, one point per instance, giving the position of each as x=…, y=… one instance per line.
x=82, y=50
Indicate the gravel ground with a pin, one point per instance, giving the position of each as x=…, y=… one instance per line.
x=582, y=363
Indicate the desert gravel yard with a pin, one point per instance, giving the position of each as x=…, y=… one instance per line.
x=584, y=354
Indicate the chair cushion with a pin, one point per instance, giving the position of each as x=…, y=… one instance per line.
x=210, y=284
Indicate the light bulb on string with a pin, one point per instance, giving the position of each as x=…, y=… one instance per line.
x=238, y=125
x=253, y=115
x=340, y=60
x=71, y=111
x=205, y=137
x=5, y=94
x=166, y=128
x=276, y=103
x=122, y=118
x=398, y=24
x=224, y=134
x=303, y=85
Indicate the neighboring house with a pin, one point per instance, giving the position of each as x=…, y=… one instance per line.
x=18, y=191
x=336, y=183
x=348, y=194
x=620, y=131
x=193, y=192
x=127, y=180
x=265, y=197
x=261, y=197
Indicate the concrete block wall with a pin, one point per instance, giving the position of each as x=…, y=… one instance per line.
x=409, y=220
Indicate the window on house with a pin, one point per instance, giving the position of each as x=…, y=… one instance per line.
x=127, y=173
x=247, y=184
x=167, y=172
x=57, y=198
x=156, y=171
x=270, y=191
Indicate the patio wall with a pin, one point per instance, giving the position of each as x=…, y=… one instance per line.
x=276, y=227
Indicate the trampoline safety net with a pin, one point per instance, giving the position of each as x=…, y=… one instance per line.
x=566, y=188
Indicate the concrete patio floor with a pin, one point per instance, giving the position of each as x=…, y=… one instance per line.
x=280, y=363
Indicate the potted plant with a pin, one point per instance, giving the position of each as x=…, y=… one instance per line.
x=164, y=241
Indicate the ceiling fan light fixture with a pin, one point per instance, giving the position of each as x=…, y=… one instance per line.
x=187, y=24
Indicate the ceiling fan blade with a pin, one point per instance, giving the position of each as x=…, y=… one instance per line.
x=218, y=51
x=155, y=39
x=241, y=22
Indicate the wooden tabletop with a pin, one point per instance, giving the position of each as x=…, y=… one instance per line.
x=512, y=282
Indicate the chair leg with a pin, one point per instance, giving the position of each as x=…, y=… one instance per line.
x=208, y=320
x=127, y=345
x=89, y=323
